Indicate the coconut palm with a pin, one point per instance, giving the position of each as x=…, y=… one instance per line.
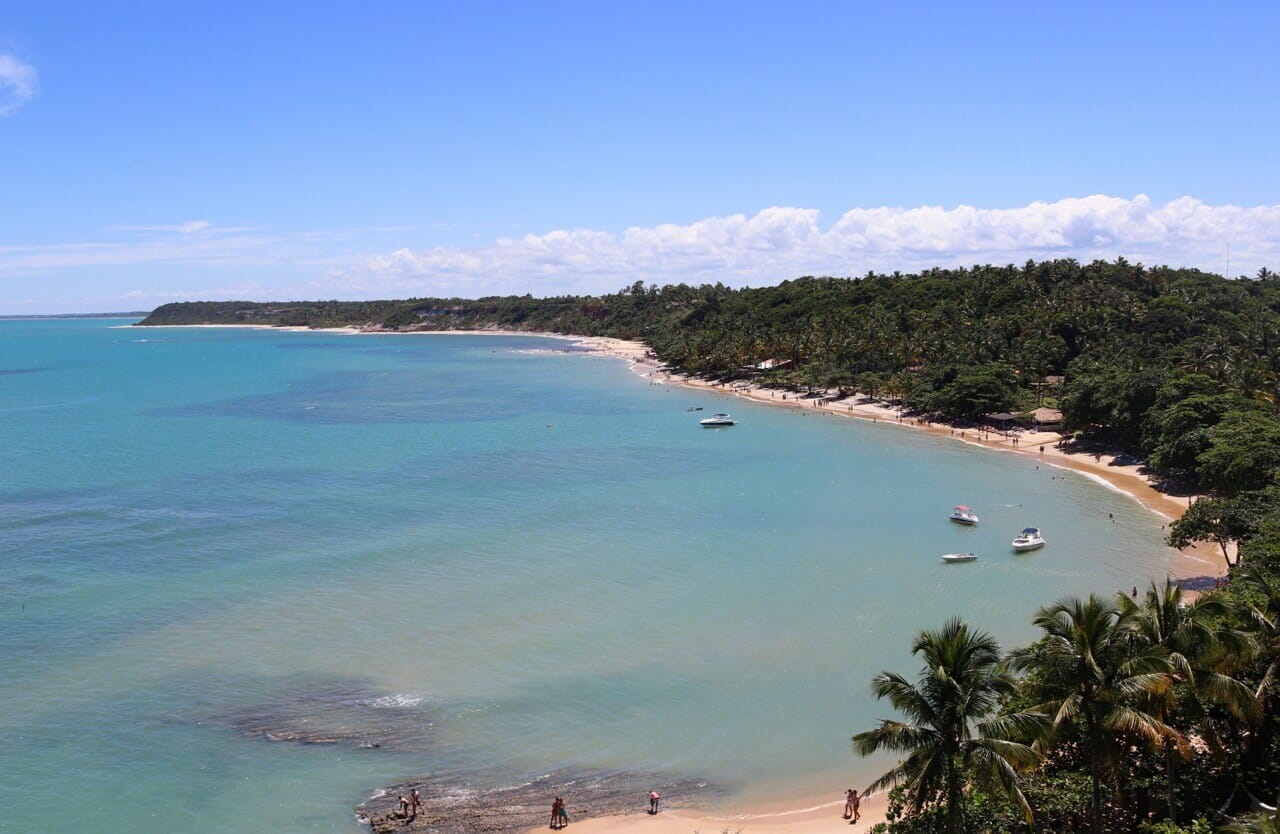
x=1092, y=677
x=1197, y=649
x=953, y=732
x=1263, y=823
x=1265, y=621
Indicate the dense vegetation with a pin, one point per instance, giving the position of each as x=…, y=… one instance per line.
x=1127, y=715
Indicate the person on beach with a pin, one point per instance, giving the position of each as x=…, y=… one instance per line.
x=416, y=799
x=404, y=806
x=559, y=816
x=851, y=803
x=654, y=799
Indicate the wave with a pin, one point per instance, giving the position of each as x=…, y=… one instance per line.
x=396, y=700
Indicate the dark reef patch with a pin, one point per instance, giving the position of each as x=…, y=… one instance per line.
x=337, y=713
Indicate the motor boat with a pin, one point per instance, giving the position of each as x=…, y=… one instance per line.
x=959, y=557
x=717, y=420
x=1028, y=539
x=964, y=515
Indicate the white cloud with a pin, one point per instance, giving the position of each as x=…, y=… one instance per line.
x=199, y=259
x=18, y=84
x=779, y=243
x=191, y=243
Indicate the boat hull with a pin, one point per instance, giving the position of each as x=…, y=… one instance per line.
x=956, y=558
x=1028, y=547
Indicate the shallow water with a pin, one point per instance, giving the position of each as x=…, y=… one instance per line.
x=491, y=558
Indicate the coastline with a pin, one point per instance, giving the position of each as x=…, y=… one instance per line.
x=1194, y=563
x=808, y=813
x=1197, y=566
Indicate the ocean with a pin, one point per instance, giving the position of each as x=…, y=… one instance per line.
x=249, y=577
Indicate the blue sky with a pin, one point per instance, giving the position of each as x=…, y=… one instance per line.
x=154, y=152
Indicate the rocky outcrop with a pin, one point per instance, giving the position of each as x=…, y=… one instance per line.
x=455, y=809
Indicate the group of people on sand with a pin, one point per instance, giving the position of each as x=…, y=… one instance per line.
x=851, y=803
x=560, y=817
x=410, y=805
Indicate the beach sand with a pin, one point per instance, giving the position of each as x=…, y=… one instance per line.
x=823, y=818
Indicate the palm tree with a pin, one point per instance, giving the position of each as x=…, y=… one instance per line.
x=1092, y=675
x=1198, y=651
x=1265, y=621
x=953, y=728
x=1261, y=823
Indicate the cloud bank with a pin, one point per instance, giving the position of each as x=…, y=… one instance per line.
x=780, y=242
x=18, y=84
x=200, y=259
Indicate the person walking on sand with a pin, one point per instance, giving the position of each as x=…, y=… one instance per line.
x=559, y=816
x=849, y=794
x=851, y=805
x=654, y=799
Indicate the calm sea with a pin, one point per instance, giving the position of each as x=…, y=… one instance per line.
x=491, y=557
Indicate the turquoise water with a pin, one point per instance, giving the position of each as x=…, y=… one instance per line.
x=497, y=558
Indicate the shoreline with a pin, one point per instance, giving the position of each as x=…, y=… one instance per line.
x=818, y=813
x=1193, y=563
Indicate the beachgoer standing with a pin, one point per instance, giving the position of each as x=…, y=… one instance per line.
x=654, y=799
x=564, y=815
x=555, y=812
x=416, y=799
x=849, y=794
x=857, y=803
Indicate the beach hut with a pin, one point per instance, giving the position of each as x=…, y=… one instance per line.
x=1047, y=418
x=1001, y=417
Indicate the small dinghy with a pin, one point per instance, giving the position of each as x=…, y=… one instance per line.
x=959, y=557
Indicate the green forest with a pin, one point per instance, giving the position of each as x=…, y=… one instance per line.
x=1150, y=714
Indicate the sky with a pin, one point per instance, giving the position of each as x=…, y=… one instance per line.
x=156, y=152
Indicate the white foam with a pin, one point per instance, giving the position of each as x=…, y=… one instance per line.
x=397, y=700
x=787, y=813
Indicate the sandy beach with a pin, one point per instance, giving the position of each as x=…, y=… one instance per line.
x=822, y=818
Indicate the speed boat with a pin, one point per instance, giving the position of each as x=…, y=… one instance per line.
x=964, y=515
x=1028, y=539
x=717, y=420
x=959, y=557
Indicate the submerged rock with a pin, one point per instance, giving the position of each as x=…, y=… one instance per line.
x=337, y=713
x=455, y=809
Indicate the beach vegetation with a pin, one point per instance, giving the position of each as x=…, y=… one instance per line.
x=954, y=735
x=1094, y=681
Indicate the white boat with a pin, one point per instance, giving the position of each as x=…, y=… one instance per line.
x=964, y=515
x=1028, y=539
x=717, y=420
x=959, y=557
